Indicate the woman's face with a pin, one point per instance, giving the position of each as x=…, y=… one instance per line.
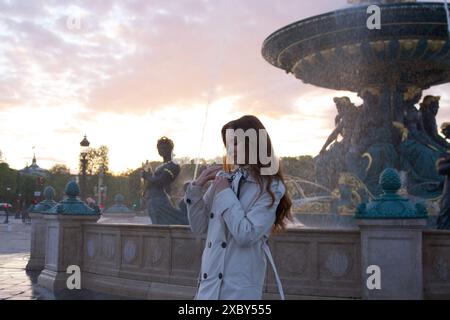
x=232, y=148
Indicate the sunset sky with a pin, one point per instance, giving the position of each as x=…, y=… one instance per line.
x=133, y=71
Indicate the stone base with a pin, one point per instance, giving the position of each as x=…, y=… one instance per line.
x=52, y=280
x=143, y=290
x=124, y=219
x=395, y=246
x=135, y=288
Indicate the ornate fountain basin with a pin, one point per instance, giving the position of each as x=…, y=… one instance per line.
x=336, y=50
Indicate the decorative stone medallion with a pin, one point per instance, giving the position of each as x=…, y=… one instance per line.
x=440, y=268
x=129, y=251
x=91, y=248
x=337, y=263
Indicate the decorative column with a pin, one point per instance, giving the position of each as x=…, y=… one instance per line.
x=391, y=243
x=64, y=238
x=39, y=230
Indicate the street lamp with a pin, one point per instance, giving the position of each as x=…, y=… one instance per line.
x=101, y=175
x=84, y=149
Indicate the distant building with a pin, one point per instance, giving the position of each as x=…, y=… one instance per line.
x=34, y=170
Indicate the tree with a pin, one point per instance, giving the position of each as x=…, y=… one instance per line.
x=302, y=167
x=59, y=176
x=8, y=182
x=59, y=169
x=97, y=158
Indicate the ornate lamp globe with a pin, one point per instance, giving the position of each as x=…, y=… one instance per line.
x=84, y=144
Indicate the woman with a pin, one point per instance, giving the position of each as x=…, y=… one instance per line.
x=159, y=206
x=238, y=212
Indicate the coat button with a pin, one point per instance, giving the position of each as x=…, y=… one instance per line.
x=209, y=244
x=188, y=201
x=212, y=215
x=205, y=275
x=224, y=245
x=220, y=275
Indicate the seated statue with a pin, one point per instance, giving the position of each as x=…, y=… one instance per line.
x=157, y=188
x=429, y=109
x=443, y=221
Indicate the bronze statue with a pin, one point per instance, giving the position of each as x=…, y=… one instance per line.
x=429, y=109
x=328, y=163
x=157, y=188
x=418, y=151
x=344, y=122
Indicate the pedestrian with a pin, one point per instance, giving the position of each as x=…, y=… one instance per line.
x=6, y=213
x=238, y=212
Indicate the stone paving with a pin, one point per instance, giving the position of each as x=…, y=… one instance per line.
x=18, y=284
x=15, y=282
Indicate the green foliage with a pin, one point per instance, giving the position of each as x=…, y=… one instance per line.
x=97, y=158
x=302, y=167
x=59, y=169
x=8, y=182
x=58, y=178
x=27, y=186
x=128, y=183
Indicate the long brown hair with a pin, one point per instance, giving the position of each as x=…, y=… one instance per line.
x=245, y=123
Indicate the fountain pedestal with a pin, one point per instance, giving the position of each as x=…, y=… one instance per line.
x=63, y=249
x=395, y=246
x=391, y=243
x=64, y=238
x=38, y=231
x=37, y=249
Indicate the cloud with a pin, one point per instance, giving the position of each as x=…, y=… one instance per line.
x=146, y=55
x=135, y=70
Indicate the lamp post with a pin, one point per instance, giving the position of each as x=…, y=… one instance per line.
x=100, y=187
x=84, y=144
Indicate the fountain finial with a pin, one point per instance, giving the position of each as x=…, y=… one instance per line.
x=390, y=181
x=391, y=205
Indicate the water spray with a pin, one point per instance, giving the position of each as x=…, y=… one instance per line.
x=210, y=99
x=447, y=11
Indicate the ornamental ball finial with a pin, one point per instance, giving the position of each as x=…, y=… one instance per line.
x=72, y=189
x=390, y=181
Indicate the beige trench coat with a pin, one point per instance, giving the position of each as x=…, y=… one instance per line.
x=233, y=261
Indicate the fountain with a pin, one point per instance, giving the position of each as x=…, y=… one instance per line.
x=389, y=68
x=373, y=223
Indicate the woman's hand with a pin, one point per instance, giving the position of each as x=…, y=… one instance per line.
x=221, y=183
x=207, y=175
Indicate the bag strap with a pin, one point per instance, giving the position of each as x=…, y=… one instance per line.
x=277, y=278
